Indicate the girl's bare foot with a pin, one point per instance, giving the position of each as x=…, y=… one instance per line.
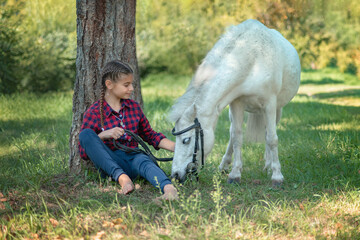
x=126, y=184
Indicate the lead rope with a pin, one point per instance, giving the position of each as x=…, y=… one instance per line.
x=146, y=150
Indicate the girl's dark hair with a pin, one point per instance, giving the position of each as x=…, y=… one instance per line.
x=112, y=70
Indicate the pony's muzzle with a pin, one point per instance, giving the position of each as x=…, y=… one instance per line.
x=191, y=168
x=177, y=177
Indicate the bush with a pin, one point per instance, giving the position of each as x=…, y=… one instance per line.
x=37, y=54
x=50, y=44
x=48, y=65
x=10, y=49
x=174, y=36
x=357, y=61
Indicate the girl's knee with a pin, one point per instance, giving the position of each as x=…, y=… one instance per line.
x=86, y=135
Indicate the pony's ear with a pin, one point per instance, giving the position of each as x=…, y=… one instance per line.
x=190, y=112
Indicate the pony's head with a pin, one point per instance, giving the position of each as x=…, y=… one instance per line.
x=189, y=150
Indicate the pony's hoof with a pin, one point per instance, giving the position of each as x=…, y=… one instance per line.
x=234, y=180
x=276, y=184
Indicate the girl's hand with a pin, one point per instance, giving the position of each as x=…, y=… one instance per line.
x=115, y=133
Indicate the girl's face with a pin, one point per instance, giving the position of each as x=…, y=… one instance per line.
x=122, y=88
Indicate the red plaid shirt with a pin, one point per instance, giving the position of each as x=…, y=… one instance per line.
x=133, y=118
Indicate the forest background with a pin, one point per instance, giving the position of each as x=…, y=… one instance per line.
x=38, y=38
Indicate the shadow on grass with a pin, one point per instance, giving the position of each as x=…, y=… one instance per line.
x=344, y=93
x=13, y=129
x=316, y=113
x=31, y=144
x=323, y=81
x=316, y=148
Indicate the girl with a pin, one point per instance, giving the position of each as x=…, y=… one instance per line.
x=106, y=120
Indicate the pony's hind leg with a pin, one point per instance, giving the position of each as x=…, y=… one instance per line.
x=266, y=157
x=271, y=145
x=236, y=117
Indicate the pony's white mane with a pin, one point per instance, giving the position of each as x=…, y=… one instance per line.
x=203, y=74
x=183, y=102
x=208, y=68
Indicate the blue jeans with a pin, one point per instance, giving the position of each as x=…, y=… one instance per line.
x=115, y=163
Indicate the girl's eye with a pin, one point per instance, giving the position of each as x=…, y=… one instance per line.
x=186, y=140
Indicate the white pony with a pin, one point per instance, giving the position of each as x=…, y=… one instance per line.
x=251, y=68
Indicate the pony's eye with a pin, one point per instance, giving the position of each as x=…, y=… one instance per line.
x=186, y=140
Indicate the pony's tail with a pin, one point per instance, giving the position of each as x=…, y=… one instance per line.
x=255, y=127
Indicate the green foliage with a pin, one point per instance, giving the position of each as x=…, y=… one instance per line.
x=50, y=41
x=38, y=52
x=49, y=63
x=174, y=36
x=38, y=38
x=10, y=49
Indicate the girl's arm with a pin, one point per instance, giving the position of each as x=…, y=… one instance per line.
x=167, y=144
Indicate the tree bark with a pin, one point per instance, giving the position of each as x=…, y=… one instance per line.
x=105, y=31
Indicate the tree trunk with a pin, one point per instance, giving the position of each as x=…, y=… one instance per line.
x=105, y=31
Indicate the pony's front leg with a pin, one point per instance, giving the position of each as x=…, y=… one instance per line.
x=227, y=158
x=271, y=145
x=235, y=143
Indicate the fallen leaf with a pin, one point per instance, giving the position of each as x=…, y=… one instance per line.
x=256, y=181
x=164, y=231
x=2, y=195
x=117, y=236
x=3, y=199
x=107, y=224
x=122, y=226
x=117, y=221
x=145, y=233
x=339, y=226
x=238, y=235
x=54, y=222
x=2, y=206
x=34, y=236
x=99, y=235
x=301, y=206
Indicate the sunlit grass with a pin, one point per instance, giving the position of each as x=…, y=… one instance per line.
x=318, y=148
x=331, y=86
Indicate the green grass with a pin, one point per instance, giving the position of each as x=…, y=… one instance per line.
x=318, y=149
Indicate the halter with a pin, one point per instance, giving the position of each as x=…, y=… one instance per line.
x=198, y=131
